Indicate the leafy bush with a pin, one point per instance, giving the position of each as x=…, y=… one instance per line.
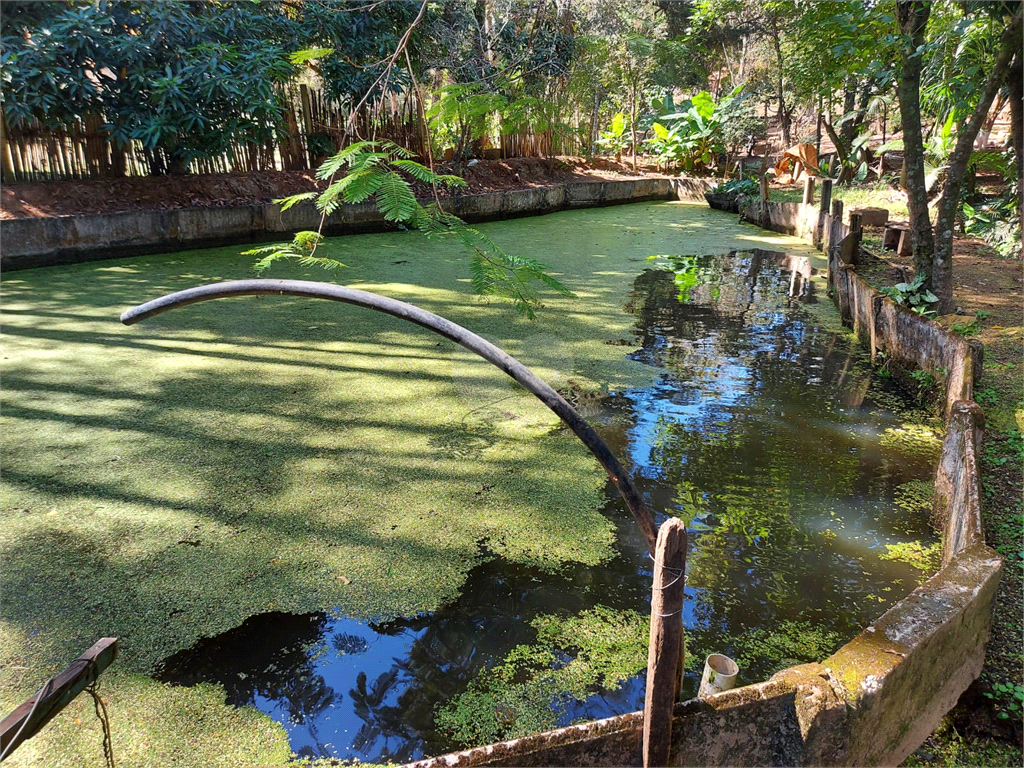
x=914, y=296
x=737, y=186
x=614, y=140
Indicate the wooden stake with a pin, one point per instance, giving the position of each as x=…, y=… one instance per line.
x=665, y=653
x=808, y=198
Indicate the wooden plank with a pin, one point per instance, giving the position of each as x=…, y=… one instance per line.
x=26, y=721
x=665, y=652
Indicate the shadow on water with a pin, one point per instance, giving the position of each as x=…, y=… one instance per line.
x=759, y=433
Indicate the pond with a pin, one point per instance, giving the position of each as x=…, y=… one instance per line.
x=761, y=426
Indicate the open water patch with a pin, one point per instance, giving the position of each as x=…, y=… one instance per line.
x=763, y=430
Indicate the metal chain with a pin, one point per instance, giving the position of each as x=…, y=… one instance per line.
x=101, y=713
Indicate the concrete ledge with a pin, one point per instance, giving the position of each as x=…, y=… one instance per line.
x=57, y=240
x=872, y=703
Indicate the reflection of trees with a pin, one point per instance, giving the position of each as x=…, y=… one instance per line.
x=380, y=720
x=747, y=440
x=743, y=436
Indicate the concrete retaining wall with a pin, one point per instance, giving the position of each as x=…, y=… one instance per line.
x=876, y=699
x=26, y=243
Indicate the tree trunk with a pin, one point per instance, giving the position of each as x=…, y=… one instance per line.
x=949, y=204
x=783, y=115
x=1015, y=82
x=913, y=17
x=848, y=130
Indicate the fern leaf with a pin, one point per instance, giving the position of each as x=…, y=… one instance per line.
x=288, y=202
x=335, y=163
x=395, y=150
x=362, y=184
x=395, y=199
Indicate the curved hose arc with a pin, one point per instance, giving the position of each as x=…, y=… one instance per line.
x=466, y=338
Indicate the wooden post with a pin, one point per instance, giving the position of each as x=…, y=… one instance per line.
x=764, y=200
x=57, y=693
x=826, y=195
x=826, y=201
x=837, y=210
x=665, y=653
x=808, y=191
x=856, y=233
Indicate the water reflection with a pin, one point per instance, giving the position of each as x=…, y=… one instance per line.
x=759, y=432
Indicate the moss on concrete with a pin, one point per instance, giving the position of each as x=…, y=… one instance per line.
x=164, y=482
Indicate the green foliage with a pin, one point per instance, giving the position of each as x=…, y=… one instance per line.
x=461, y=114
x=377, y=171
x=914, y=295
x=926, y=558
x=183, y=79
x=615, y=140
x=528, y=692
x=1009, y=697
x=997, y=223
x=915, y=496
x=692, y=137
x=761, y=653
x=737, y=186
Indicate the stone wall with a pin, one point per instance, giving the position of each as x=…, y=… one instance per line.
x=26, y=243
x=875, y=700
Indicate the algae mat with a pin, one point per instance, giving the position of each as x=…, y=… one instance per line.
x=164, y=482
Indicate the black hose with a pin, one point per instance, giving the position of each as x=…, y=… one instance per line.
x=541, y=389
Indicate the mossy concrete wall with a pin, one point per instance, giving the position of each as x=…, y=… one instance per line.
x=42, y=242
x=875, y=700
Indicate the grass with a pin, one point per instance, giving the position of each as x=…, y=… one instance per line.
x=853, y=196
x=164, y=482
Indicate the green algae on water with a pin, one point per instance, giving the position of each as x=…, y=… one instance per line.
x=527, y=693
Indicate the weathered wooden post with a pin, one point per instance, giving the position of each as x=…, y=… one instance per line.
x=808, y=191
x=665, y=652
x=826, y=195
x=764, y=200
x=826, y=201
x=857, y=231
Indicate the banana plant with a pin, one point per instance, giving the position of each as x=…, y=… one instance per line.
x=615, y=139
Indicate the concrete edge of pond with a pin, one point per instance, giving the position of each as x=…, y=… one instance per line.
x=55, y=240
x=878, y=697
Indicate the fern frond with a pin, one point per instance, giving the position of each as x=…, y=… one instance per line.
x=323, y=262
x=395, y=150
x=361, y=184
x=418, y=171
x=335, y=163
x=288, y=202
x=395, y=199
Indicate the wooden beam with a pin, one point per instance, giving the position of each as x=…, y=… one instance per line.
x=26, y=721
x=665, y=652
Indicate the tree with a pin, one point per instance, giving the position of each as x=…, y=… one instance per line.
x=933, y=249
x=185, y=79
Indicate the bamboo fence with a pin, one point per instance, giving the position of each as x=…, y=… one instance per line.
x=83, y=150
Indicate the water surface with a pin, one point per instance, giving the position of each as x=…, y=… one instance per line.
x=759, y=430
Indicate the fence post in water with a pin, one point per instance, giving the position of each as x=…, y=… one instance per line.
x=665, y=652
x=808, y=191
x=764, y=200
